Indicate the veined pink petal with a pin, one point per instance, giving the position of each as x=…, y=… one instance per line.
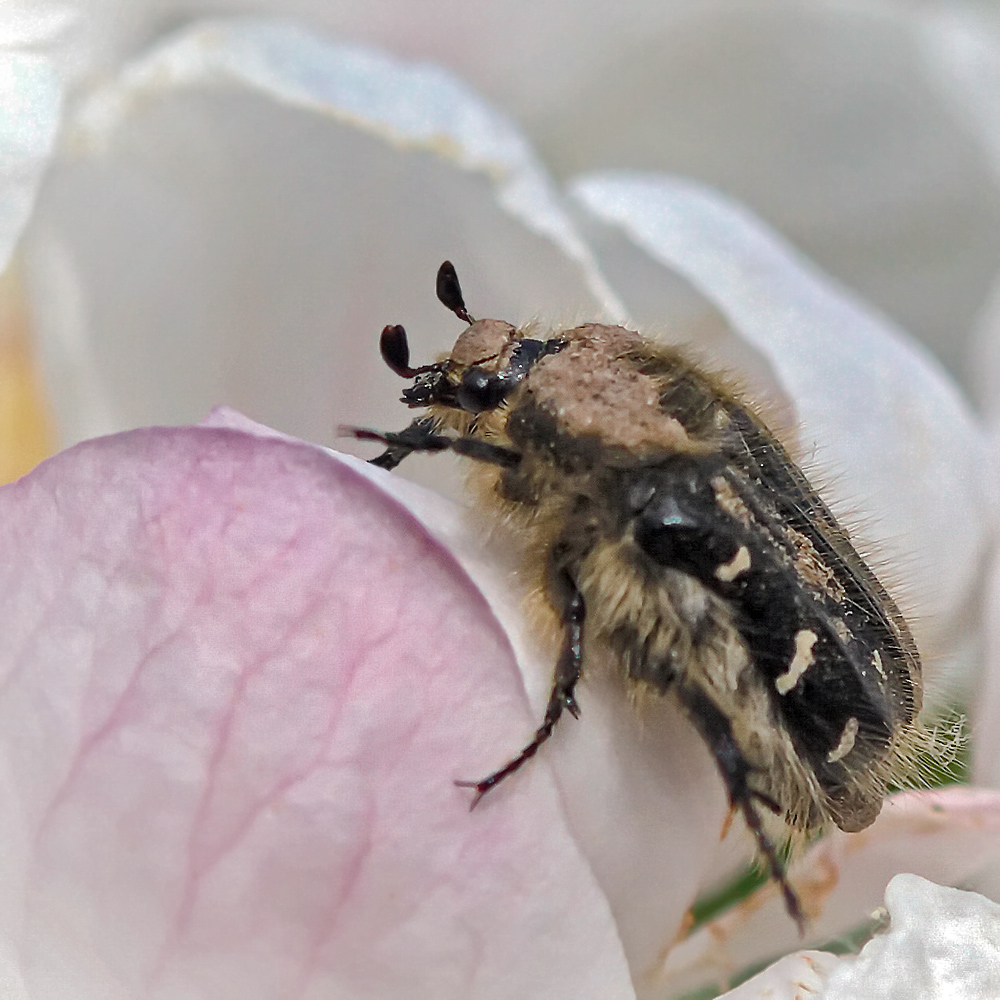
x=237, y=682
x=641, y=792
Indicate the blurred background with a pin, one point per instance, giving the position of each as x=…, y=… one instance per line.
x=26, y=431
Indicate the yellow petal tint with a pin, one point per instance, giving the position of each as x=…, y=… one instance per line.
x=26, y=432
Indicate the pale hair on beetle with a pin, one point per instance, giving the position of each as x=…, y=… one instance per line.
x=670, y=533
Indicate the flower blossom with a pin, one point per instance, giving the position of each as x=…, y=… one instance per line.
x=241, y=673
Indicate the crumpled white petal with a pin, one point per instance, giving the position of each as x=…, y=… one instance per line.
x=942, y=943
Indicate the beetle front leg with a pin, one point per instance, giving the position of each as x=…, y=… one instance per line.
x=422, y=436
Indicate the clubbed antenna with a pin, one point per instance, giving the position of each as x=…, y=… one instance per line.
x=449, y=291
x=396, y=351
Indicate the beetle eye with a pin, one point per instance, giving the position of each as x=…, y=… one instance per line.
x=479, y=390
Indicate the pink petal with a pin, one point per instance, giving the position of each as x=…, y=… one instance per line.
x=641, y=792
x=238, y=682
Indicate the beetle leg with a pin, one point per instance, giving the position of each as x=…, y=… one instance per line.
x=421, y=436
x=566, y=676
x=717, y=733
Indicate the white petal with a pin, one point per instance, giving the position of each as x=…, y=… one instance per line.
x=941, y=943
x=959, y=46
x=985, y=708
x=984, y=360
x=36, y=24
x=885, y=422
x=834, y=121
x=418, y=107
x=30, y=106
x=826, y=119
x=243, y=209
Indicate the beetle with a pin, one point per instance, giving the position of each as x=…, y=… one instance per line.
x=668, y=529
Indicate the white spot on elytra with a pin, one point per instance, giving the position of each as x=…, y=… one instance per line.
x=740, y=563
x=877, y=661
x=847, y=737
x=801, y=661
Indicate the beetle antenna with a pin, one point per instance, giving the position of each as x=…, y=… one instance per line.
x=449, y=292
x=395, y=350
